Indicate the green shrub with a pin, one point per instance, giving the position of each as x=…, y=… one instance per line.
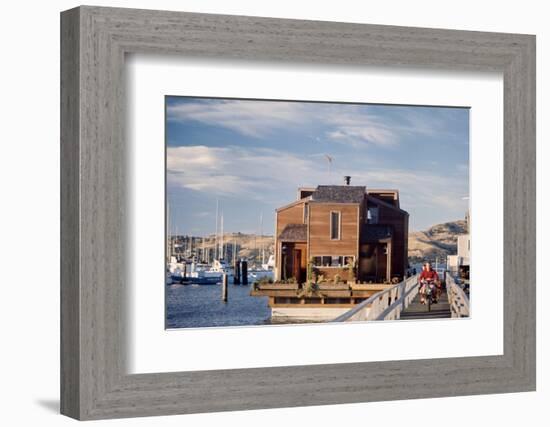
x=291, y=280
x=351, y=267
x=308, y=289
x=264, y=280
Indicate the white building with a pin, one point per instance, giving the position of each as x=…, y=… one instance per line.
x=462, y=258
x=463, y=249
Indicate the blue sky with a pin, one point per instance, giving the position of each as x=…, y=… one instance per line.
x=252, y=156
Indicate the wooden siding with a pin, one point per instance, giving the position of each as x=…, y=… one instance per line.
x=319, y=229
x=330, y=272
x=291, y=215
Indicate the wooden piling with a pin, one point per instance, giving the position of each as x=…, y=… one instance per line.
x=237, y=273
x=244, y=272
x=224, y=288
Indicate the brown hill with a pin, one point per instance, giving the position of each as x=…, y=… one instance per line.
x=437, y=241
x=248, y=246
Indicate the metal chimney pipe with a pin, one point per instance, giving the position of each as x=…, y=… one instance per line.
x=347, y=179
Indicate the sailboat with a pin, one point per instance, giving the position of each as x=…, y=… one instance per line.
x=220, y=265
x=270, y=264
x=265, y=272
x=209, y=274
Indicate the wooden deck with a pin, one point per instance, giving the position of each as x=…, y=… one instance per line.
x=415, y=310
x=325, y=291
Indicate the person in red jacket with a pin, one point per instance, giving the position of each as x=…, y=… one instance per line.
x=428, y=275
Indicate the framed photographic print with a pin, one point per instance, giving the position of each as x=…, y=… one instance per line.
x=292, y=207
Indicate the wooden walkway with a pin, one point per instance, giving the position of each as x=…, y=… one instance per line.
x=415, y=310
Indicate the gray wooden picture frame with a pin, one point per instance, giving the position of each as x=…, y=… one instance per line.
x=94, y=381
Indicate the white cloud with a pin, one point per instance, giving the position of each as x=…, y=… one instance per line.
x=248, y=118
x=256, y=173
x=361, y=135
x=349, y=124
x=272, y=176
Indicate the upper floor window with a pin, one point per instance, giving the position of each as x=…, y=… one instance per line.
x=306, y=212
x=335, y=218
x=372, y=215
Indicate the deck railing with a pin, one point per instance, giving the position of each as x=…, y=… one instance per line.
x=384, y=305
x=458, y=300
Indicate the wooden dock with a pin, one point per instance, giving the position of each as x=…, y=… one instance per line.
x=416, y=310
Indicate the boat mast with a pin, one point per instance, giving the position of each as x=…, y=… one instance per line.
x=221, y=238
x=178, y=248
x=168, y=238
x=261, y=236
x=175, y=242
x=216, y=235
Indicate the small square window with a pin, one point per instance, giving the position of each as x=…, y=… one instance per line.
x=372, y=215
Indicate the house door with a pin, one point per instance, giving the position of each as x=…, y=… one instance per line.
x=296, y=262
x=367, y=262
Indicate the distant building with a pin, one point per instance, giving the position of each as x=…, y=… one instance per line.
x=333, y=225
x=463, y=249
x=461, y=261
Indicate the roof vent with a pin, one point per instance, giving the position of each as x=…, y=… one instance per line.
x=347, y=179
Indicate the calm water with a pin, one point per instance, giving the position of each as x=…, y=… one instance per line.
x=197, y=306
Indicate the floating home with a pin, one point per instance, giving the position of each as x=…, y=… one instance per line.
x=335, y=246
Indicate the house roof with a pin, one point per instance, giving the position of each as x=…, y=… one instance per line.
x=339, y=193
x=294, y=233
x=374, y=232
x=294, y=203
x=384, y=194
x=378, y=201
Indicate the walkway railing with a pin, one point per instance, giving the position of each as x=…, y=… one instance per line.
x=459, y=302
x=384, y=305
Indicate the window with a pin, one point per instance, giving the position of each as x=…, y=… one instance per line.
x=306, y=212
x=372, y=215
x=326, y=261
x=349, y=260
x=335, y=225
x=338, y=261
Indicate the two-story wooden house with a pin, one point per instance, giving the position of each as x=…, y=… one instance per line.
x=333, y=225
